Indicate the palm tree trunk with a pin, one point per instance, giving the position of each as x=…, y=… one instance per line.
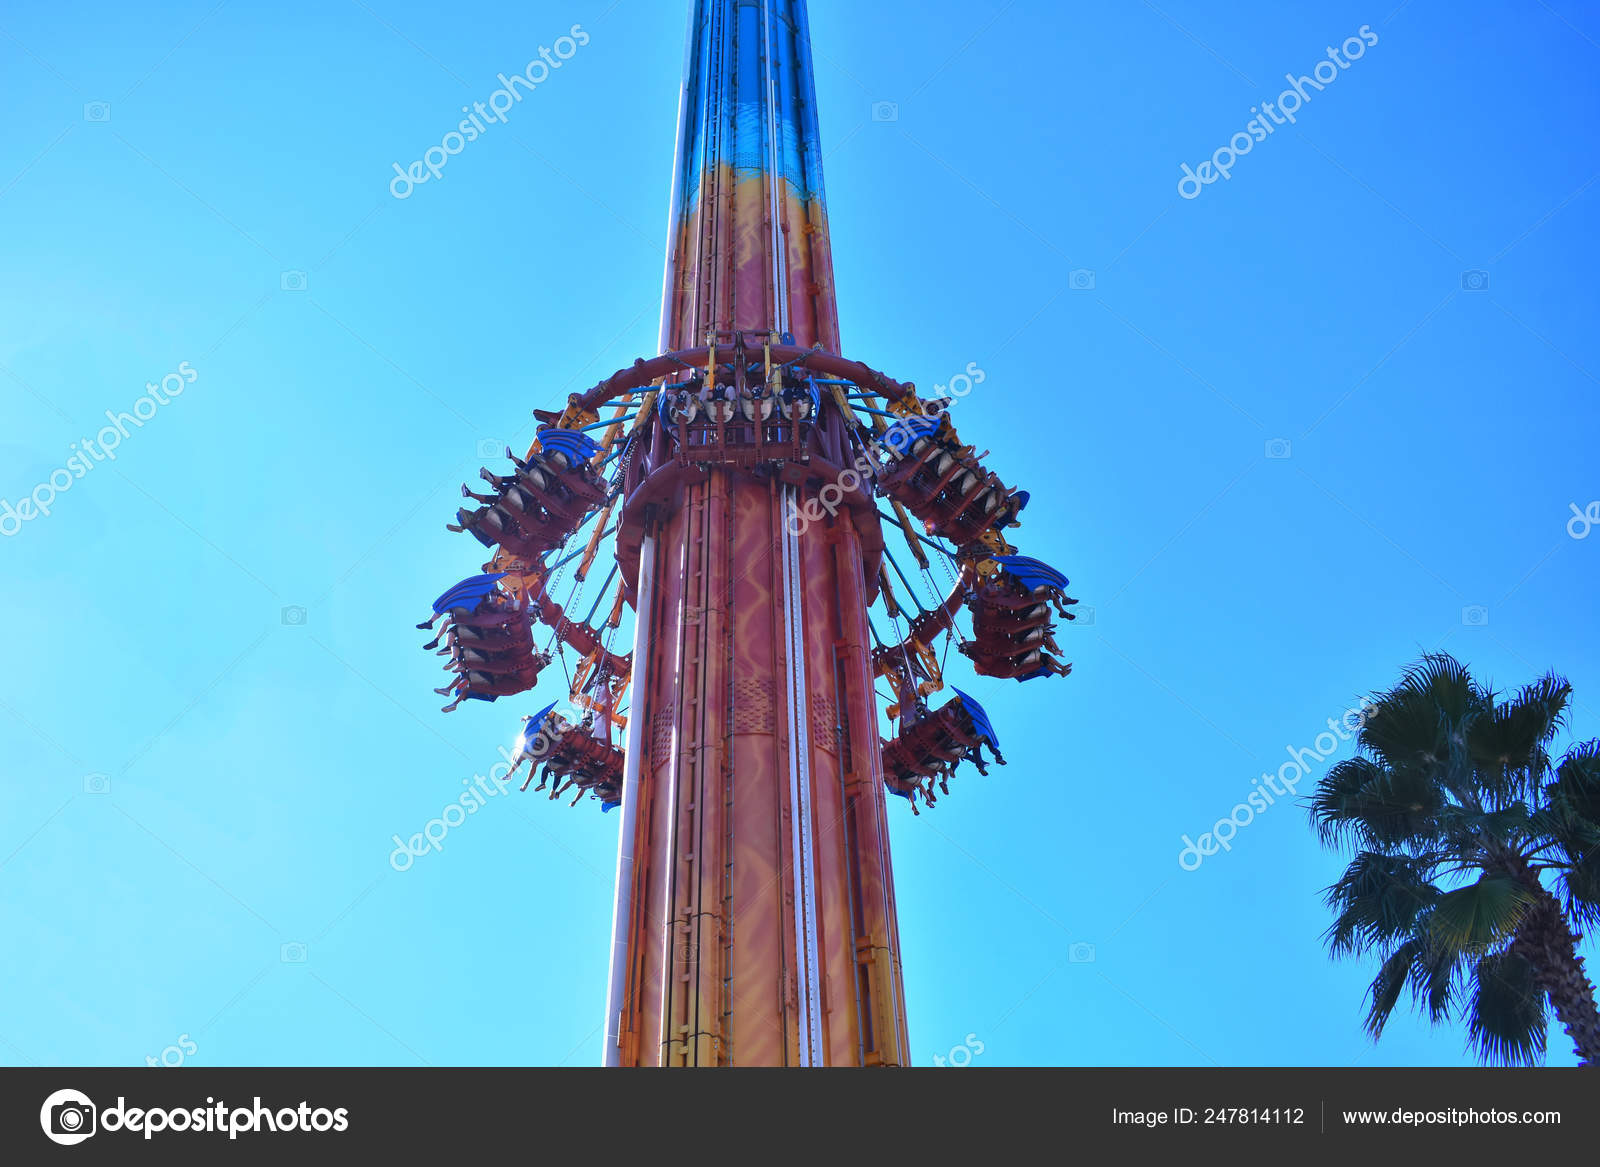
x=1546, y=941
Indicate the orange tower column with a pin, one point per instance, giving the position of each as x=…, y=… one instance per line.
x=755, y=920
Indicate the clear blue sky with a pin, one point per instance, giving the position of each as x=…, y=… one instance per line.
x=256, y=770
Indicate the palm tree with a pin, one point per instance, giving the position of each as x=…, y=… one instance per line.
x=1477, y=859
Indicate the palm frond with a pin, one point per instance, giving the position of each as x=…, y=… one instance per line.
x=1507, y=1020
x=1508, y=747
x=1576, y=791
x=1473, y=834
x=1403, y=727
x=1393, y=976
x=1571, y=821
x=1424, y=723
x=1477, y=918
x=1579, y=885
x=1447, y=683
x=1378, y=806
x=1436, y=974
x=1379, y=899
x=1336, y=799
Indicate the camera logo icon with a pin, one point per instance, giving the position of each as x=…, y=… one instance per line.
x=293, y=952
x=885, y=111
x=68, y=1117
x=1279, y=448
x=292, y=281
x=294, y=616
x=1475, y=280
x=1083, y=616
x=97, y=783
x=1475, y=616
x=97, y=111
x=1081, y=953
x=490, y=448
x=1081, y=280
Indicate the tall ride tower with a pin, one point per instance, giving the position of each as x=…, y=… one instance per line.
x=741, y=473
x=761, y=928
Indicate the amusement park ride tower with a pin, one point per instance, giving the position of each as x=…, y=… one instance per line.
x=750, y=475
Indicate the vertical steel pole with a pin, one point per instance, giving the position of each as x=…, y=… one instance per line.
x=622, y=907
